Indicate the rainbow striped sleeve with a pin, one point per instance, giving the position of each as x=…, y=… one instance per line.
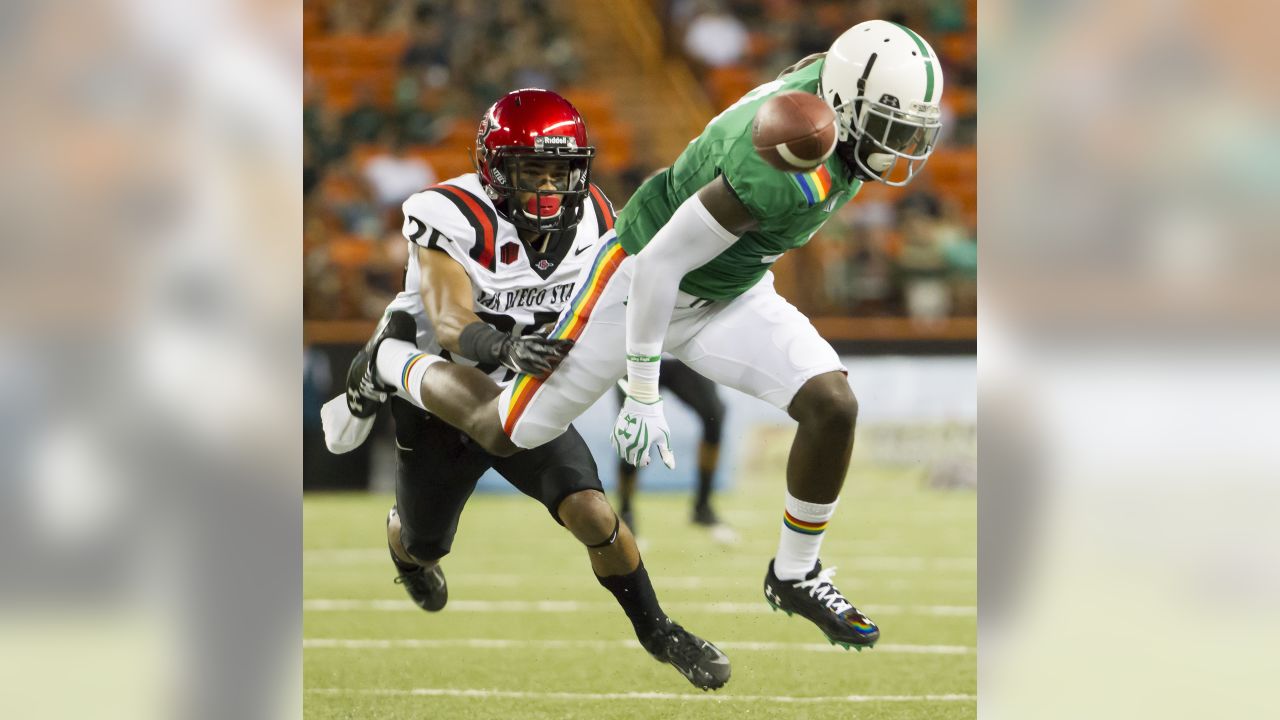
x=572, y=323
x=815, y=185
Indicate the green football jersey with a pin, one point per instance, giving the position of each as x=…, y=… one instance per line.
x=789, y=208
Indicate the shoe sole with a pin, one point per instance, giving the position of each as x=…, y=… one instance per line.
x=700, y=686
x=833, y=641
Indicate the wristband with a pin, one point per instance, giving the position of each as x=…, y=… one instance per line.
x=481, y=342
x=642, y=377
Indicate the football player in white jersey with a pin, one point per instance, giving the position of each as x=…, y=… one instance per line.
x=494, y=259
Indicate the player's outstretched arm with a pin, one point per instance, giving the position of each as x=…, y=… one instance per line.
x=700, y=229
x=704, y=226
x=446, y=295
x=447, y=298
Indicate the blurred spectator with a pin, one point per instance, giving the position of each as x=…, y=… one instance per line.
x=321, y=287
x=854, y=248
x=428, y=50
x=922, y=262
x=365, y=16
x=343, y=193
x=415, y=123
x=322, y=132
x=960, y=248
x=364, y=122
x=947, y=15
x=393, y=174
x=921, y=201
x=714, y=37
x=535, y=71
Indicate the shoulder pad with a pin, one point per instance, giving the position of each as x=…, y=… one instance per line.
x=605, y=216
x=465, y=223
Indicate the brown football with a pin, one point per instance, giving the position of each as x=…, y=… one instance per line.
x=794, y=131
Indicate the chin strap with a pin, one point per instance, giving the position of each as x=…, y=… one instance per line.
x=612, y=537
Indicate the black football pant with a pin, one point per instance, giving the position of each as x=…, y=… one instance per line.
x=439, y=466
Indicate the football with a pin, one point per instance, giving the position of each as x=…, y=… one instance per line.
x=794, y=131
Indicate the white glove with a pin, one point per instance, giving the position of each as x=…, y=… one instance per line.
x=639, y=426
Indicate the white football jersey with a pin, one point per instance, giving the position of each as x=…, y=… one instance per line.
x=514, y=288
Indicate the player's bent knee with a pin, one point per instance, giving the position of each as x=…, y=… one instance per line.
x=486, y=430
x=826, y=400
x=587, y=515
x=500, y=445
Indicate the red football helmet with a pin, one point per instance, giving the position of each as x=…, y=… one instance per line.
x=527, y=140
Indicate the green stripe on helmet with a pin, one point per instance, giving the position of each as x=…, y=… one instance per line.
x=928, y=60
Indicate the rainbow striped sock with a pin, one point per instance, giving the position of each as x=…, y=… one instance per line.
x=803, y=525
x=402, y=364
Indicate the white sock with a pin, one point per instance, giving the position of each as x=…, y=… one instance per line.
x=401, y=364
x=803, y=525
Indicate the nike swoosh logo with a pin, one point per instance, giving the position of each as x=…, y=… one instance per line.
x=579, y=251
x=401, y=447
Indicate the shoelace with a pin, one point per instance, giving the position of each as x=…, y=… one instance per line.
x=820, y=587
x=369, y=389
x=405, y=577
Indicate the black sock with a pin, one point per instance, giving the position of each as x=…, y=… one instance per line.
x=635, y=594
x=705, y=478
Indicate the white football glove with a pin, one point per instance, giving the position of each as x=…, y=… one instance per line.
x=639, y=426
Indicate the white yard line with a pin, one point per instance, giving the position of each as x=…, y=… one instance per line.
x=573, y=606
x=701, y=582
x=690, y=697
x=507, y=644
x=359, y=556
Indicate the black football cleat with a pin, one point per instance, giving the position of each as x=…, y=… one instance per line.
x=426, y=586
x=706, y=517
x=365, y=393
x=698, y=660
x=817, y=600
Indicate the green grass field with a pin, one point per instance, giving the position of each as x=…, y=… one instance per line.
x=528, y=633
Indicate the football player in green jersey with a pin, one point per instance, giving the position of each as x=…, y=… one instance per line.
x=688, y=274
